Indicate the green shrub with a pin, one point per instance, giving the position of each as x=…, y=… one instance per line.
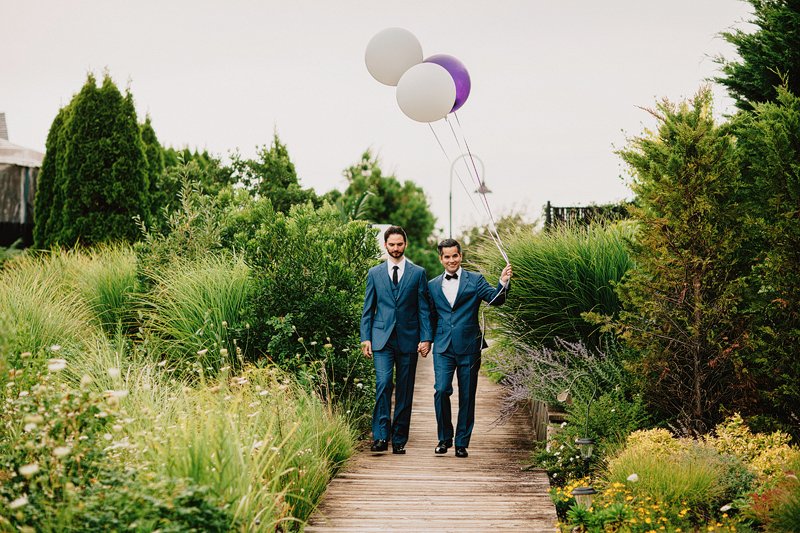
x=309, y=270
x=559, y=277
x=612, y=418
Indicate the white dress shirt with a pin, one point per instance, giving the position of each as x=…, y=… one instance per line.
x=450, y=286
x=400, y=270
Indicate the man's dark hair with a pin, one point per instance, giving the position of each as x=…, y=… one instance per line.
x=395, y=230
x=448, y=243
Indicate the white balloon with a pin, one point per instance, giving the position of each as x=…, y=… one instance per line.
x=390, y=53
x=426, y=92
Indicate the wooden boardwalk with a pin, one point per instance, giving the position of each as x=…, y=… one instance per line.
x=424, y=492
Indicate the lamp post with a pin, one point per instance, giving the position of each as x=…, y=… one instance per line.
x=583, y=495
x=481, y=189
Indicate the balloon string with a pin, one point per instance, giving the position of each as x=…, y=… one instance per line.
x=492, y=228
x=474, y=206
x=493, y=232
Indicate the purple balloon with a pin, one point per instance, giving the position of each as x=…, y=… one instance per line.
x=459, y=74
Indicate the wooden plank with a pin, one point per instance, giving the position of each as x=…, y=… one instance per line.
x=422, y=491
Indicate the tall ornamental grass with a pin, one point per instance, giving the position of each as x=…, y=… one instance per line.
x=42, y=318
x=106, y=279
x=264, y=445
x=559, y=276
x=195, y=313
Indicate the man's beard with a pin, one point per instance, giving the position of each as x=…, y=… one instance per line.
x=396, y=254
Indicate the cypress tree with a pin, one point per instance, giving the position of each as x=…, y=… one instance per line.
x=49, y=198
x=770, y=55
x=104, y=172
x=155, y=168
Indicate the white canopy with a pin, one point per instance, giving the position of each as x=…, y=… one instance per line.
x=12, y=154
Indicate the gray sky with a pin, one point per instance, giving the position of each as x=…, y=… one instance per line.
x=555, y=84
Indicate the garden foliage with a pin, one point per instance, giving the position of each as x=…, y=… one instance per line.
x=683, y=300
x=559, y=277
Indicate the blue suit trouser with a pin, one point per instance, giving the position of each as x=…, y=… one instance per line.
x=466, y=368
x=389, y=360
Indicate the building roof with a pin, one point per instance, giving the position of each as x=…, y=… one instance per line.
x=12, y=154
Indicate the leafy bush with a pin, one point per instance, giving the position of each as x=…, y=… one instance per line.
x=767, y=454
x=559, y=277
x=612, y=419
x=309, y=270
x=190, y=230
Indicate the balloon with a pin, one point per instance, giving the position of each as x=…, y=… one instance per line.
x=426, y=92
x=390, y=53
x=459, y=73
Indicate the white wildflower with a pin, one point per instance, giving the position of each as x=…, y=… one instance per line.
x=19, y=502
x=725, y=508
x=55, y=348
x=62, y=451
x=113, y=372
x=202, y=352
x=29, y=469
x=633, y=478
x=56, y=365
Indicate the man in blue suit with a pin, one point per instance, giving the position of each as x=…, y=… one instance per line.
x=456, y=295
x=395, y=327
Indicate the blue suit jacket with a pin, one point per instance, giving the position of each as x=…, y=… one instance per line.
x=409, y=314
x=457, y=327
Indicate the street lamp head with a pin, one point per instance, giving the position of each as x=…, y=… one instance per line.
x=483, y=189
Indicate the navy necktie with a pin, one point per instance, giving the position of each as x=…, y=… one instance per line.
x=394, y=274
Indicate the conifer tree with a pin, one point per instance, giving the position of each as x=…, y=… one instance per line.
x=155, y=168
x=273, y=176
x=681, y=301
x=49, y=197
x=770, y=56
x=104, y=173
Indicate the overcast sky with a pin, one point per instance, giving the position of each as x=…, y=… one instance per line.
x=556, y=85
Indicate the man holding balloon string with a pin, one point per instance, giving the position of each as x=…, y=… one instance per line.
x=456, y=295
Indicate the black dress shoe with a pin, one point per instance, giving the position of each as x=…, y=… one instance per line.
x=442, y=447
x=379, y=445
x=398, y=449
x=461, y=451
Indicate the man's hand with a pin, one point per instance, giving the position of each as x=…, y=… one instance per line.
x=423, y=348
x=366, y=349
x=506, y=275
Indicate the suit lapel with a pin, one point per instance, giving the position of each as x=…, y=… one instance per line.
x=437, y=293
x=401, y=286
x=383, y=278
x=465, y=280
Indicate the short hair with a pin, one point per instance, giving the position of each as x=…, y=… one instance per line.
x=395, y=230
x=448, y=243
